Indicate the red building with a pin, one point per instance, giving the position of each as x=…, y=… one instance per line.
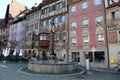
x=88, y=32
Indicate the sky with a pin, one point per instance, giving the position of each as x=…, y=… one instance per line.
x=4, y=3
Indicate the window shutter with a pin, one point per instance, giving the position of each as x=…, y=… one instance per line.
x=54, y=7
x=63, y=4
x=50, y=8
x=42, y=12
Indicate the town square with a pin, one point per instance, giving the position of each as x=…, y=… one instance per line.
x=60, y=40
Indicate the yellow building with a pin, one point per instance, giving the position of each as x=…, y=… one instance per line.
x=113, y=28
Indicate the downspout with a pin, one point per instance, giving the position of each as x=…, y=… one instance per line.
x=106, y=33
x=68, y=30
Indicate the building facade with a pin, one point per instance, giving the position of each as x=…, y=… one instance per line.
x=17, y=32
x=55, y=11
x=12, y=10
x=3, y=34
x=113, y=27
x=88, y=32
x=32, y=28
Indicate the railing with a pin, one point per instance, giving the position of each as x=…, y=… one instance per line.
x=113, y=23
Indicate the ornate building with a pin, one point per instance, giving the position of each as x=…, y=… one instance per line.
x=54, y=11
x=32, y=31
x=32, y=28
x=88, y=32
x=13, y=9
x=113, y=27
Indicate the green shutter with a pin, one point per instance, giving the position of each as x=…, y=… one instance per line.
x=63, y=4
x=50, y=8
x=54, y=7
x=42, y=12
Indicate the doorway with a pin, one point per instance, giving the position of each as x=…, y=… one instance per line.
x=44, y=56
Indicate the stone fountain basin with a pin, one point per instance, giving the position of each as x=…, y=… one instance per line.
x=53, y=68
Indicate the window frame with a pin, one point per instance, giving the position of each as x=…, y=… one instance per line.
x=73, y=9
x=85, y=20
x=72, y=25
x=100, y=20
x=73, y=40
x=63, y=18
x=96, y=4
x=84, y=4
x=87, y=41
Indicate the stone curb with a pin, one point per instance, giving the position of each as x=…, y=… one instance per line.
x=72, y=74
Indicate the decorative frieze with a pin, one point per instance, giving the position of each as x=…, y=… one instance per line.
x=53, y=13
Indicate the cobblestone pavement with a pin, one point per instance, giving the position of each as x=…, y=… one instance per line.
x=11, y=71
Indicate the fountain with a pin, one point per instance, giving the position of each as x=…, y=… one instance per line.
x=52, y=65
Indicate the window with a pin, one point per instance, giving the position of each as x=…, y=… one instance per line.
x=100, y=37
x=84, y=5
x=59, y=6
x=37, y=26
x=85, y=22
x=75, y=57
x=57, y=37
x=99, y=19
x=86, y=39
x=73, y=9
x=44, y=23
x=115, y=15
x=32, y=17
x=99, y=56
x=97, y=2
x=74, y=25
x=47, y=10
x=96, y=56
x=28, y=18
x=56, y=20
x=49, y=22
x=63, y=18
x=74, y=40
x=64, y=36
x=90, y=56
x=31, y=27
x=44, y=37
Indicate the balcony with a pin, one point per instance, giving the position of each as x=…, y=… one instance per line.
x=44, y=43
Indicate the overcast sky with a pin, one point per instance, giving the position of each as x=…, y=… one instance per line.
x=4, y=3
